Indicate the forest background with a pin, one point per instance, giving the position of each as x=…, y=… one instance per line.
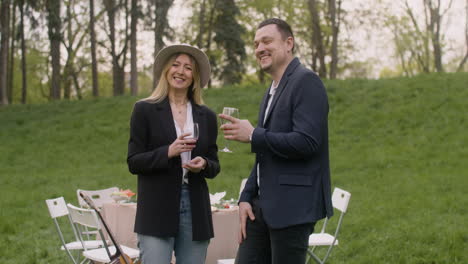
x=73, y=49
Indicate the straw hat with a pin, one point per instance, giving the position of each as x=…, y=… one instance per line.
x=198, y=54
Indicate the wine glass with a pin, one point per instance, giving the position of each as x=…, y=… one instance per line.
x=195, y=132
x=230, y=111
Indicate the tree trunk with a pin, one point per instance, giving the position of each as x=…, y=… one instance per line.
x=424, y=59
x=465, y=58
x=110, y=6
x=5, y=30
x=67, y=69
x=24, y=87
x=133, y=50
x=317, y=37
x=54, y=25
x=335, y=15
x=209, y=37
x=77, y=86
x=162, y=7
x=93, y=49
x=201, y=24
x=11, y=66
x=118, y=73
x=119, y=79
x=434, y=30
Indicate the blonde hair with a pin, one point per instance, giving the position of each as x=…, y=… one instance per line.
x=162, y=88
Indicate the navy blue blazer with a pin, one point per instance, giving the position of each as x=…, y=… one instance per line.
x=292, y=150
x=152, y=130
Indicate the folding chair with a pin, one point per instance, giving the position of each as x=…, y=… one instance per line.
x=99, y=197
x=58, y=209
x=340, y=201
x=88, y=218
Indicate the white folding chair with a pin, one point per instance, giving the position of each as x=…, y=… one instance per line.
x=340, y=201
x=81, y=218
x=58, y=209
x=99, y=197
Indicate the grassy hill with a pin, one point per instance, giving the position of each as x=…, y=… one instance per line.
x=400, y=146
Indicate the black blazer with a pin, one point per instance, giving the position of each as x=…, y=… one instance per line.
x=152, y=130
x=292, y=150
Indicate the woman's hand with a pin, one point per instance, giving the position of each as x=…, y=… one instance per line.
x=181, y=145
x=195, y=165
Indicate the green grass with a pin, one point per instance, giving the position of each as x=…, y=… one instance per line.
x=400, y=146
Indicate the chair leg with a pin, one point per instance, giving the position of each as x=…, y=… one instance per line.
x=328, y=253
x=310, y=254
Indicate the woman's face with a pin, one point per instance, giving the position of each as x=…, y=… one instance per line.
x=179, y=74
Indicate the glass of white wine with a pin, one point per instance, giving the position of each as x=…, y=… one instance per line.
x=230, y=111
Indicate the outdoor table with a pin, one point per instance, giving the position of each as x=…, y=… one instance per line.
x=120, y=217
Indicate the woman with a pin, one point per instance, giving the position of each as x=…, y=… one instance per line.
x=174, y=211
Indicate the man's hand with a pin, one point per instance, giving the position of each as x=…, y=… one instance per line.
x=244, y=210
x=239, y=129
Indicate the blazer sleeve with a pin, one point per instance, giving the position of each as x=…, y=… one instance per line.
x=250, y=188
x=211, y=156
x=309, y=123
x=140, y=160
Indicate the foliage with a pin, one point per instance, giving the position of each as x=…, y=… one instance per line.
x=228, y=36
x=398, y=145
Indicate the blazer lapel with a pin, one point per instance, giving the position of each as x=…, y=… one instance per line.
x=167, y=120
x=284, y=80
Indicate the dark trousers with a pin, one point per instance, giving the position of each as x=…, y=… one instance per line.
x=264, y=245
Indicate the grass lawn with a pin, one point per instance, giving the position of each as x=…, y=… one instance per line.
x=400, y=146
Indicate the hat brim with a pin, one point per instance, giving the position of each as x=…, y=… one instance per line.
x=202, y=60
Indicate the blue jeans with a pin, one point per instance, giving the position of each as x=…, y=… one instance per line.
x=158, y=250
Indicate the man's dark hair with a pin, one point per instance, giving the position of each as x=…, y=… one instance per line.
x=282, y=26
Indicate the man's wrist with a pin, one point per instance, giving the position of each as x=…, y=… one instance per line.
x=250, y=136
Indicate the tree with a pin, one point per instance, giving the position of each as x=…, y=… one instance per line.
x=55, y=38
x=465, y=58
x=201, y=21
x=133, y=48
x=334, y=10
x=12, y=52
x=94, y=64
x=74, y=36
x=430, y=33
x=161, y=27
x=317, y=38
x=228, y=36
x=4, y=49
x=119, y=58
x=435, y=21
x=211, y=18
x=24, y=84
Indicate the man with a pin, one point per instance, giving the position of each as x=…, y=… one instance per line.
x=288, y=190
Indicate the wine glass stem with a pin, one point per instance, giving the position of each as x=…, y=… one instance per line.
x=226, y=144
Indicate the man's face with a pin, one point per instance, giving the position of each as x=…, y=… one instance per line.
x=271, y=50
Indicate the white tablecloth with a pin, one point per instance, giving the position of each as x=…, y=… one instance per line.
x=121, y=218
